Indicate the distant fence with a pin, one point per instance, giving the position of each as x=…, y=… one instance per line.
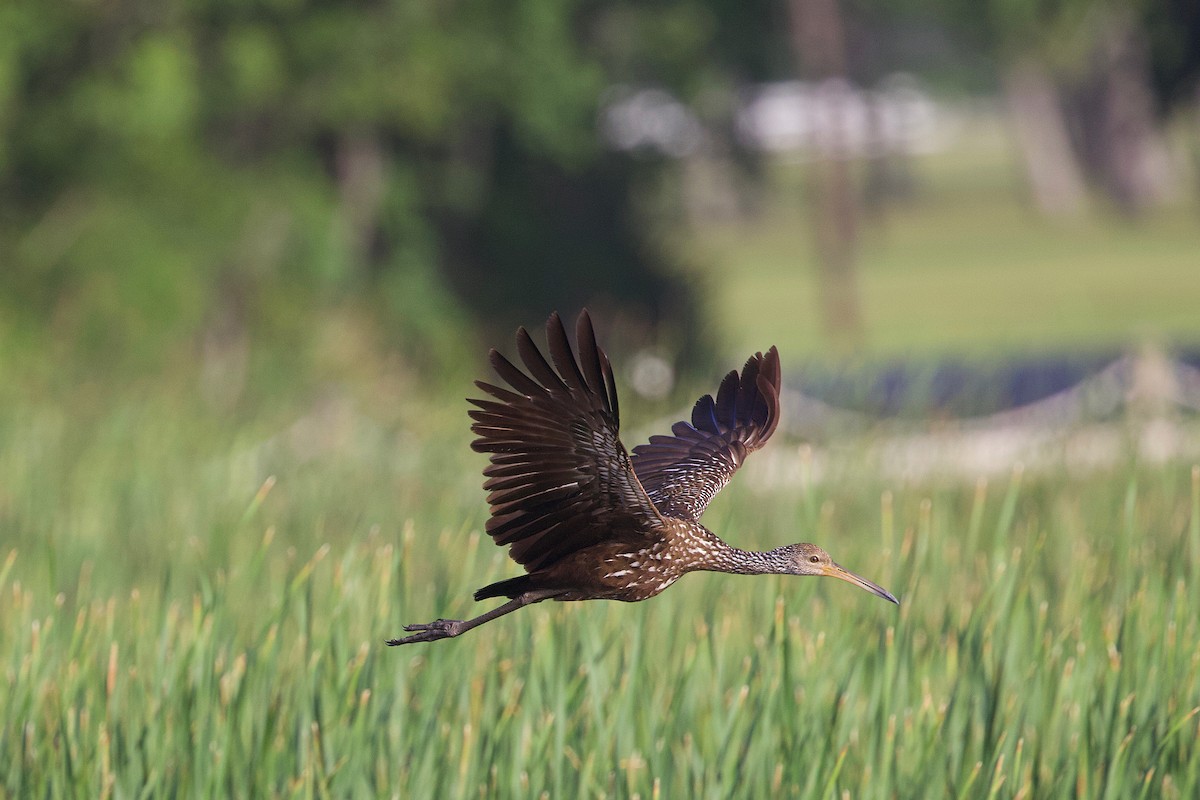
x=1140, y=407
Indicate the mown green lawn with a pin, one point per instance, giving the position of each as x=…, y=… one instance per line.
x=964, y=266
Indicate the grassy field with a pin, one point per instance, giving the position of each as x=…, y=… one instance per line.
x=193, y=603
x=191, y=611
x=962, y=267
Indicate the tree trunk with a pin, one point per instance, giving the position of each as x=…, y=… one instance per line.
x=1134, y=160
x=889, y=176
x=818, y=39
x=1055, y=178
x=362, y=182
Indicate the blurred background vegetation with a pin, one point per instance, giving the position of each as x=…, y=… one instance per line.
x=235, y=190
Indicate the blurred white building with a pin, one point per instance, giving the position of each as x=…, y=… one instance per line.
x=798, y=119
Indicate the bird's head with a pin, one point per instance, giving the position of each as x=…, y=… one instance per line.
x=808, y=559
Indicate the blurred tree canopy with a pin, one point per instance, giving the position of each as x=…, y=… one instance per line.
x=1088, y=84
x=175, y=171
x=180, y=166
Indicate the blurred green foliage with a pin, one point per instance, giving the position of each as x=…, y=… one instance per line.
x=184, y=177
x=166, y=164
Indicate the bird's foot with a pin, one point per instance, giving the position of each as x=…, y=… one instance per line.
x=430, y=631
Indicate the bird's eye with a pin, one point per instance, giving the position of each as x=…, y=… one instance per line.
x=815, y=559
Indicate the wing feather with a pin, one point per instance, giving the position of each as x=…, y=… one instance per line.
x=514, y=377
x=535, y=362
x=564, y=359
x=594, y=364
x=683, y=472
x=559, y=479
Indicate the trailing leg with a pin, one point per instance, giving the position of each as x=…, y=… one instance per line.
x=446, y=628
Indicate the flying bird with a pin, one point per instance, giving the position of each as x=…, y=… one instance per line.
x=589, y=521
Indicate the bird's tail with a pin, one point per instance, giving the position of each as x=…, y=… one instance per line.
x=508, y=588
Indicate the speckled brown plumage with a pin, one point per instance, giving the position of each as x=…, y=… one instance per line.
x=588, y=521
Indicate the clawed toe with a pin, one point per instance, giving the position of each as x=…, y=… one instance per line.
x=428, y=631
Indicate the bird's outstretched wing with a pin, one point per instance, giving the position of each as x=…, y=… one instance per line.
x=559, y=479
x=682, y=473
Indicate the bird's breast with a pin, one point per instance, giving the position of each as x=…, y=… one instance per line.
x=620, y=571
x=636, y=574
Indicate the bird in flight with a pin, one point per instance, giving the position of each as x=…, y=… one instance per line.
x=589, y=521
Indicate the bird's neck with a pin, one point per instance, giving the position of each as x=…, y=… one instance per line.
x=722, y=557
x=758, y=562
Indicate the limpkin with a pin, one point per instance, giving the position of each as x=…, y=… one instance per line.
x=588, y=521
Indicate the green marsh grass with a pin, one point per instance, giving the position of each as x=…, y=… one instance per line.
x=188, y=611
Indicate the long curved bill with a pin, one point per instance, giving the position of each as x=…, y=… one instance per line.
x=838, y=571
